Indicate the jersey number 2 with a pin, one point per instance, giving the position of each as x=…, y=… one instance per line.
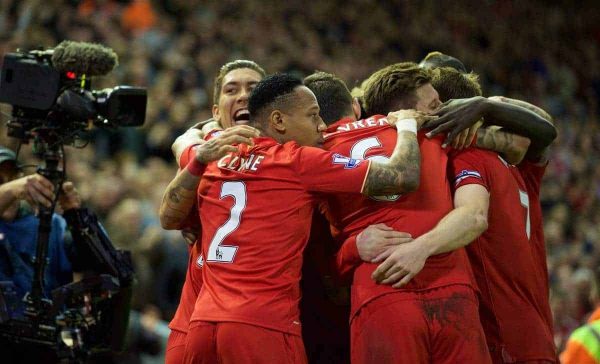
x=226, y=253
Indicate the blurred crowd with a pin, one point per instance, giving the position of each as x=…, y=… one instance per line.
x=546, y=54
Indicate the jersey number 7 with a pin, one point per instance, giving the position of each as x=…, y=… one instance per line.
x=524, y=197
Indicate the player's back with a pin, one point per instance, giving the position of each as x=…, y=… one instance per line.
x=256, y=209
x=415, y=213
x=532, y=174
x=503, y=259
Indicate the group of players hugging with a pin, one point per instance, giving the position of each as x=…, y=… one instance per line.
x=409, y=208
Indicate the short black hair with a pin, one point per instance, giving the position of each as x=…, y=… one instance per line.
x=271, y=92
x=438, y=59
x=332, y=94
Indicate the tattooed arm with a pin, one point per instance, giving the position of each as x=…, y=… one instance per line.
x=402, y=172
x=178, y=200
x=511, y=115
x=511, y=146
x=541, y=138
x=193, y=136
x=180, y=194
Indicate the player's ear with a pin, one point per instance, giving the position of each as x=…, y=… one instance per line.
x=216, y=113
x=276, y=119
x=356, y=108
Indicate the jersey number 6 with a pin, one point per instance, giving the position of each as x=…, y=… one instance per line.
x=360, y=149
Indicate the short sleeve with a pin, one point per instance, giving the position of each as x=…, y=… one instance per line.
x=468, y=167
x=532, y=174
x=187, y=155
x=347, y=259
x=323, y=171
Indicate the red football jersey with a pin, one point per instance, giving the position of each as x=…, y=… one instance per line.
x=193, y=277
x=532, y=174
x=415, y=213
x=504, y=259
x=189, y=292
x=256, y=208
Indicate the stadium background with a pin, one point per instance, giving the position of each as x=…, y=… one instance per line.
x=547, y=54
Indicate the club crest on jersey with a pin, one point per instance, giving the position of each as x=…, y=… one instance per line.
x=348, y=163
x=465, y=173
x=200, y=261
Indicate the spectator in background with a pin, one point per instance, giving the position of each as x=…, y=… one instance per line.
x=583, y=346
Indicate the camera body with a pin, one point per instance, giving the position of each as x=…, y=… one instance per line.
x=48, y=96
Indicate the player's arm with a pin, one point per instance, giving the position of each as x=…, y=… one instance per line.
x=180, y=195
x=511, y=146
x=193, y=136
x=402, y=172
x=366, y=246
x=539, y=149
x=460, y=227
x=460, y=114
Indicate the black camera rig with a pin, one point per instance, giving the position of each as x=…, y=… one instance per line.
x=81, y=318
x=53, y=105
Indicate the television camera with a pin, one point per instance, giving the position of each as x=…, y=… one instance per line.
x=53, y=105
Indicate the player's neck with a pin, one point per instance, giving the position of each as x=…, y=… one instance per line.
x=266, y=133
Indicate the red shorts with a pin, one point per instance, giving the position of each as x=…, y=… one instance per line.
x=435, y=326
x=232, y=342
x=175, y=347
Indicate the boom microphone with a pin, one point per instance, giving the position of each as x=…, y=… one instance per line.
x=84, y=58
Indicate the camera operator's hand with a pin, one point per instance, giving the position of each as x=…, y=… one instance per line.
x=69, y=198
x=35, y=189
x=224, y=143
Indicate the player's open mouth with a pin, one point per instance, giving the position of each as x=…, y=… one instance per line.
x=241, y=117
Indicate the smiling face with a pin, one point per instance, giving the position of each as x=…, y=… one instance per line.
x=232, y=108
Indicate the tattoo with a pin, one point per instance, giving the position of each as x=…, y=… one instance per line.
x=173, y=196
x=490, y=138
x=176, y=204
x=401, y=173
x=512, y=147
x=209, y=151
